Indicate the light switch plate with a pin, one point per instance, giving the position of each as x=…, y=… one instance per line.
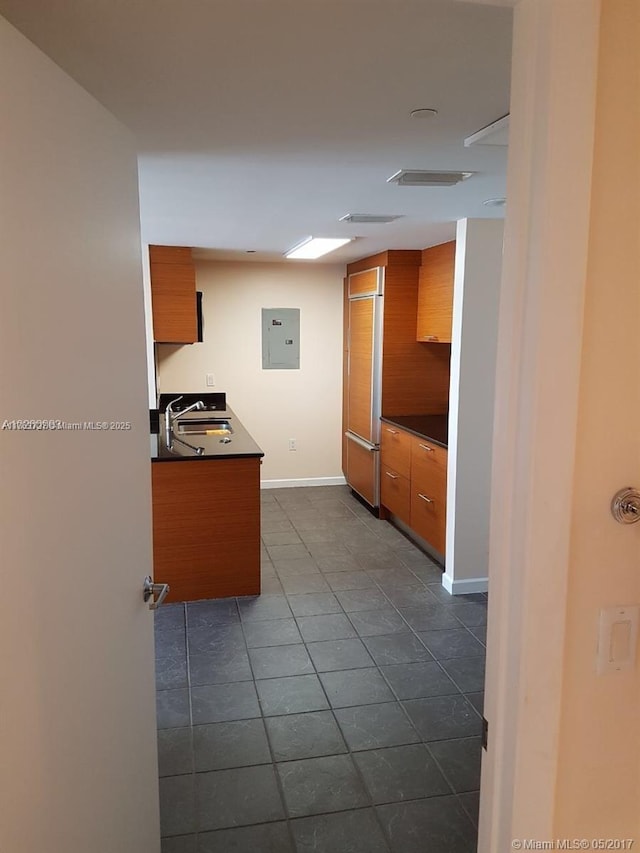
x=210, y=380
x=618, y=638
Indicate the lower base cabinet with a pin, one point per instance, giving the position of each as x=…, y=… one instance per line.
x=206, y=527
x=419, y=500
x=428, y=516
x=429, y=492
x=361, y=473
x=395, y=494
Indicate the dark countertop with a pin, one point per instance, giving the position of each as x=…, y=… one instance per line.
x=435, y=428
x=241, y=444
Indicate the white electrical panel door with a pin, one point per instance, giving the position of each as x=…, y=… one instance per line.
x=280, y=338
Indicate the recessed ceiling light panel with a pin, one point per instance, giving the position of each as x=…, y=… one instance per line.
x=424, y=178
x=315, y=247
x=495, y=202
x=369, y=218
x=423, y=112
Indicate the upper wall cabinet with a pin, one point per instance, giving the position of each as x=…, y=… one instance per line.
x=414, y=378
x=435, y=293
x=173, y=295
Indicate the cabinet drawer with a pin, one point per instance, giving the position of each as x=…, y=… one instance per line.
x=429, y=492
x=395, y=446
x=428, y=460
x=395, y=493
x=362, y=471
x=429, y=513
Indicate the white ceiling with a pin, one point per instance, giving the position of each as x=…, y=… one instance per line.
x=260, y=122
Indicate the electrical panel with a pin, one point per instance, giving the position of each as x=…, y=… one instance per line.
x=280, y=338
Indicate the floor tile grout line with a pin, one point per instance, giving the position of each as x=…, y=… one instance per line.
x=274, y=768
x=354, y=763
x=439, y=766
x=186, y=643
x=349, y=750
x=419, y=581
x=373, y=806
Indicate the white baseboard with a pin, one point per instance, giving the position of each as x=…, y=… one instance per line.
x=464, y=587
x=313, y=481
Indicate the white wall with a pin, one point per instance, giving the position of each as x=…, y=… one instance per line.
x=274, y=405
x=78, y=770
x=471, y=402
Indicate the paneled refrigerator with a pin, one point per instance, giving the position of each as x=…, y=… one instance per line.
x=365, y=305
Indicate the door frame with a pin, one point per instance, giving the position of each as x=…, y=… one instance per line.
x=538, y=366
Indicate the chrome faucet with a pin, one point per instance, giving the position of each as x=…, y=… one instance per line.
x=170, y=417
x=197, y=450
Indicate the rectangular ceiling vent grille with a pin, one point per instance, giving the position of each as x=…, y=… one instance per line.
x=423, y=178
x=369, y=218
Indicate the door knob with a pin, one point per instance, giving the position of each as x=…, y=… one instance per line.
x=625, y=506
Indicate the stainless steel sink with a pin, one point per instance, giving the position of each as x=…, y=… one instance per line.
x=205, y=426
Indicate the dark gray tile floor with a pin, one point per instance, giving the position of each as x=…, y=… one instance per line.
x=339, y=712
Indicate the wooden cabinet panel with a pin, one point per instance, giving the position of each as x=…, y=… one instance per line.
x=428, y=460
x=413, y=483
x=206, y=527
x=361, y=471
x=170, y=255
x=411, y=379
x=435, y=293
x=173, y=295
x=415, y=378
x=429, y=492
x=395, y=493
x=428, y=516
x=395, y=449
x=390, y=258
x=360, y=390
x=363, y=282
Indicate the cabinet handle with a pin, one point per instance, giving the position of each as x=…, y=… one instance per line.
x=427, y=448
x=393, y=476
x=425, y=498
x=392, y=431
x=431, y=337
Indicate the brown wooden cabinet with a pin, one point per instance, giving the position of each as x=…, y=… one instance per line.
x=206, y=527
x=395, y=493
x=435, y=294
x=173, y=295
x=386, y=371
x=413, y=483
x=395, y=446
x=429, y=492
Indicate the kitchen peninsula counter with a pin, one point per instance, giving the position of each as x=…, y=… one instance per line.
x=206, y=511
x=241, y=443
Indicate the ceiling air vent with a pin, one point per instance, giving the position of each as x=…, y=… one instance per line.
x=369, y=218
x=421, y=178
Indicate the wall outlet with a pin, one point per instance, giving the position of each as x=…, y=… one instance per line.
x=210, y=380
x=292, y=444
